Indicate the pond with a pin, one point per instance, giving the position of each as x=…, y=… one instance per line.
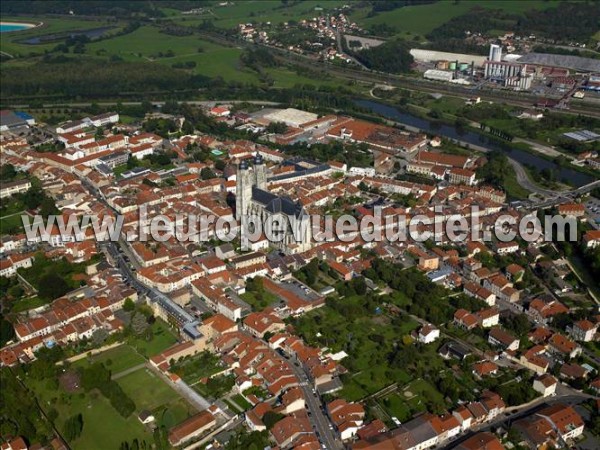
x=573, y=177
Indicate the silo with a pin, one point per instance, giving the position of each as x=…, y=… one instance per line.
x=495, y=53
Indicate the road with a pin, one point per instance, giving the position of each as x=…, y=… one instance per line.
x=315, y=408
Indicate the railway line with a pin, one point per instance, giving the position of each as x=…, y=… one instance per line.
x=401, y=81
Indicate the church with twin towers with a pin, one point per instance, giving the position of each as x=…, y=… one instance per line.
x=253, y=199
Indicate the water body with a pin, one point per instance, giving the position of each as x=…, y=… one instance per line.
x=44, y=39
x=574, y=177
x=7, y=27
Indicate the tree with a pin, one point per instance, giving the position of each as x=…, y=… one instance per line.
x=7, y=333
x=52, y=286
x=48, y=207
x=8, y=172
x=392, y=56
x=128, y=305
x=207, y=174
x=276, y=128
x=271, y=418
x=99, y=337
x=73, y=427
x=139, y=323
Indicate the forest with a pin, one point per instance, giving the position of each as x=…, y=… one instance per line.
x=393, y=57
x=568, y=22
x=64, y=76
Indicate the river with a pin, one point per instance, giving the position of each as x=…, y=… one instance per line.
x=571, y=176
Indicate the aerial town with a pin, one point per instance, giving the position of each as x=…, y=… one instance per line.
x=180, y=271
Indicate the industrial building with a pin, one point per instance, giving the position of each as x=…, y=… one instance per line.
x=438, y=75
x=11, y=120
x=576, y=63
x=291, y=117
x=434, y=56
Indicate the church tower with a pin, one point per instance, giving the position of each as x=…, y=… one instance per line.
x=243, y=190
x=260, y=172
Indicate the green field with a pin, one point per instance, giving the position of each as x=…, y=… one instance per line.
x=420, y=20
x=212, y=60
x=163, y=338
x=255, y=11
x=147, y=390
x=121, y=358
x=11, y=224
x=103, y=427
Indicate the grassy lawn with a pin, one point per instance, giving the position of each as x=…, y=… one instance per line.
x=257, y=303
x=241, y=401
x=513, y=189
x=173, y=413
x=26, y=304
x=103, y=427
x=162, y=340
x=233, y=406
x=11, y=224
x=147, y=390
x=121, y=358
x=147, y=43
x=396, y=406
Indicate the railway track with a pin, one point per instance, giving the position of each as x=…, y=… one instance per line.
x=401, y=81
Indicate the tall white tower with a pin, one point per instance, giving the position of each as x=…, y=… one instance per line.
x=243, y=190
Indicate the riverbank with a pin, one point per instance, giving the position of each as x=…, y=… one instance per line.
x=538, y=148
x=521, y=152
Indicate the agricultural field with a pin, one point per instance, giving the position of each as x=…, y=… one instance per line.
x=255, y=11
x=419, y=20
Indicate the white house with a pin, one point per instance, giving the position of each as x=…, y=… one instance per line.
x=545, y=384
x=428, y=334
